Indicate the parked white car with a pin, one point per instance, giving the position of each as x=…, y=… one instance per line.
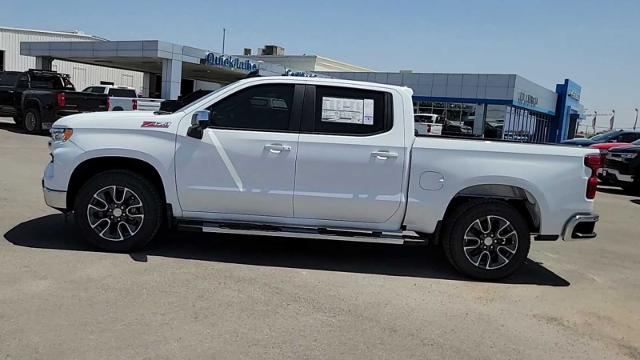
x=428, y=124
x=321, y=158
x=123, y=98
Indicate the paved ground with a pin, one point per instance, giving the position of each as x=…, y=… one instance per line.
x=192, y=296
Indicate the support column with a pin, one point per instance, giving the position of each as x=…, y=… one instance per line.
x=44, y=62
x=478, y=122
x=171, y=78
x=146, y=84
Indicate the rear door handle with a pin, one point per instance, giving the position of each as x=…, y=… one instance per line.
x=277, y=148
x=384, y=155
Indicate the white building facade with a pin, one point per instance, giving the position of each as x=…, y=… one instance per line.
x=82, y=75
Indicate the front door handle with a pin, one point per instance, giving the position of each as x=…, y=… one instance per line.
x=277, y=148
x=384, y=155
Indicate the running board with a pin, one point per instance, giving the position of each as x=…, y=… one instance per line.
x=398, y=238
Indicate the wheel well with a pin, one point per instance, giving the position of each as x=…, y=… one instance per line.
x=31, y=104
x=90, y=167
x=517, y=197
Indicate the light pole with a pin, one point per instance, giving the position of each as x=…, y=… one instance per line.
x=224, y=35
x=636, y=123
x=612, y=120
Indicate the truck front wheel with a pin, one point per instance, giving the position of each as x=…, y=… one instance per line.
x=118, y=210
x=486, y=239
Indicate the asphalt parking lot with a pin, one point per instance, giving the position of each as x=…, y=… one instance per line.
x=215, y=296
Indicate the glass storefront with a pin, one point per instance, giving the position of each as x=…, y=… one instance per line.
x=498, y=121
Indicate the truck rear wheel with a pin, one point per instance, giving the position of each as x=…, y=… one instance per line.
x=32, y=123
x=486, y=239
x=118, y=210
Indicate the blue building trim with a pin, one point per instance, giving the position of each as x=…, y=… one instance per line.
x=481, y=101
x=568, y=107
x=463, y=100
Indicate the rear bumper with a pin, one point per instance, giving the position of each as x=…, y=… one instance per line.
x=580, y=227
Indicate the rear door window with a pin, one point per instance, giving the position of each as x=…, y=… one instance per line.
x=347, y=111
x=628, y=137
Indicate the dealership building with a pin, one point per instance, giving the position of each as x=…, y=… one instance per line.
x=502, y=106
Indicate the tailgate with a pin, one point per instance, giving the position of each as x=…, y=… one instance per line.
x=85, y=102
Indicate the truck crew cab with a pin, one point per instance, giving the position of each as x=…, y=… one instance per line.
x=322, y=158
x=37, y=98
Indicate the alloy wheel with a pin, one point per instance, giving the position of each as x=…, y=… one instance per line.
x=115, y=213
x=490, y=242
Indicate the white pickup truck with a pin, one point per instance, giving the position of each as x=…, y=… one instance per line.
x=122, y=98
x=321, y=158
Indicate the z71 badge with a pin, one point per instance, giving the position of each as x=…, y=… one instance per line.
x=155, y=124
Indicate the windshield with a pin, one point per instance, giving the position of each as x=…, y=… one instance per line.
x=604, y=136
x=184, y=106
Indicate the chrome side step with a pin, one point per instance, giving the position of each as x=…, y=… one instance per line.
x=397, y=238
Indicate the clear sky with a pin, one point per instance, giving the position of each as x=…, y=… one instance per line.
x=595, y=43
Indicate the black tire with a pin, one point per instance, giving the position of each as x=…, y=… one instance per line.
x=632, y=188
x=462, y=223
x=18, y=120
x=140, y=190
x=32, y=122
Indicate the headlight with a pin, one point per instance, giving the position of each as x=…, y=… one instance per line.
x=628, y=156
x=61, y=134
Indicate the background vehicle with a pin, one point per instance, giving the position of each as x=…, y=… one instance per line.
x=618, y=136
x=124, y=98
x=174, y=105
x=604, y=150
x=36, y=98
x=622, y=167
x=428, y=124
x=228, y=163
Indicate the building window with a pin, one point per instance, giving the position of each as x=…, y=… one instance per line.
x=494, y=121
x=1, y=60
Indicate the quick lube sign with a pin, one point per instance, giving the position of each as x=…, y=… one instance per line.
x=230, y=62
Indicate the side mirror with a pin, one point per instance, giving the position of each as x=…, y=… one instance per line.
x=199, y=121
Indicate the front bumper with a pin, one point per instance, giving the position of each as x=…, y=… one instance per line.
x=616, y=175
x=54, y=198
x=580, y=227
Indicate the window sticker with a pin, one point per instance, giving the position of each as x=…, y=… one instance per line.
x=347, y=111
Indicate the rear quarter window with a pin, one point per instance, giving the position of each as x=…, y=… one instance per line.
x=8, y=79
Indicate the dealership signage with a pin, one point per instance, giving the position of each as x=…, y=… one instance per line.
x=230, y=62
x=289, y=72
x=574, y=94
x=525, y=98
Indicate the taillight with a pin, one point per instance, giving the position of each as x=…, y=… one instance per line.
x=62, y=101
x=134, y=104
x=593, y=162
x=603, y=156
x=108, y=104
x=429, y=128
